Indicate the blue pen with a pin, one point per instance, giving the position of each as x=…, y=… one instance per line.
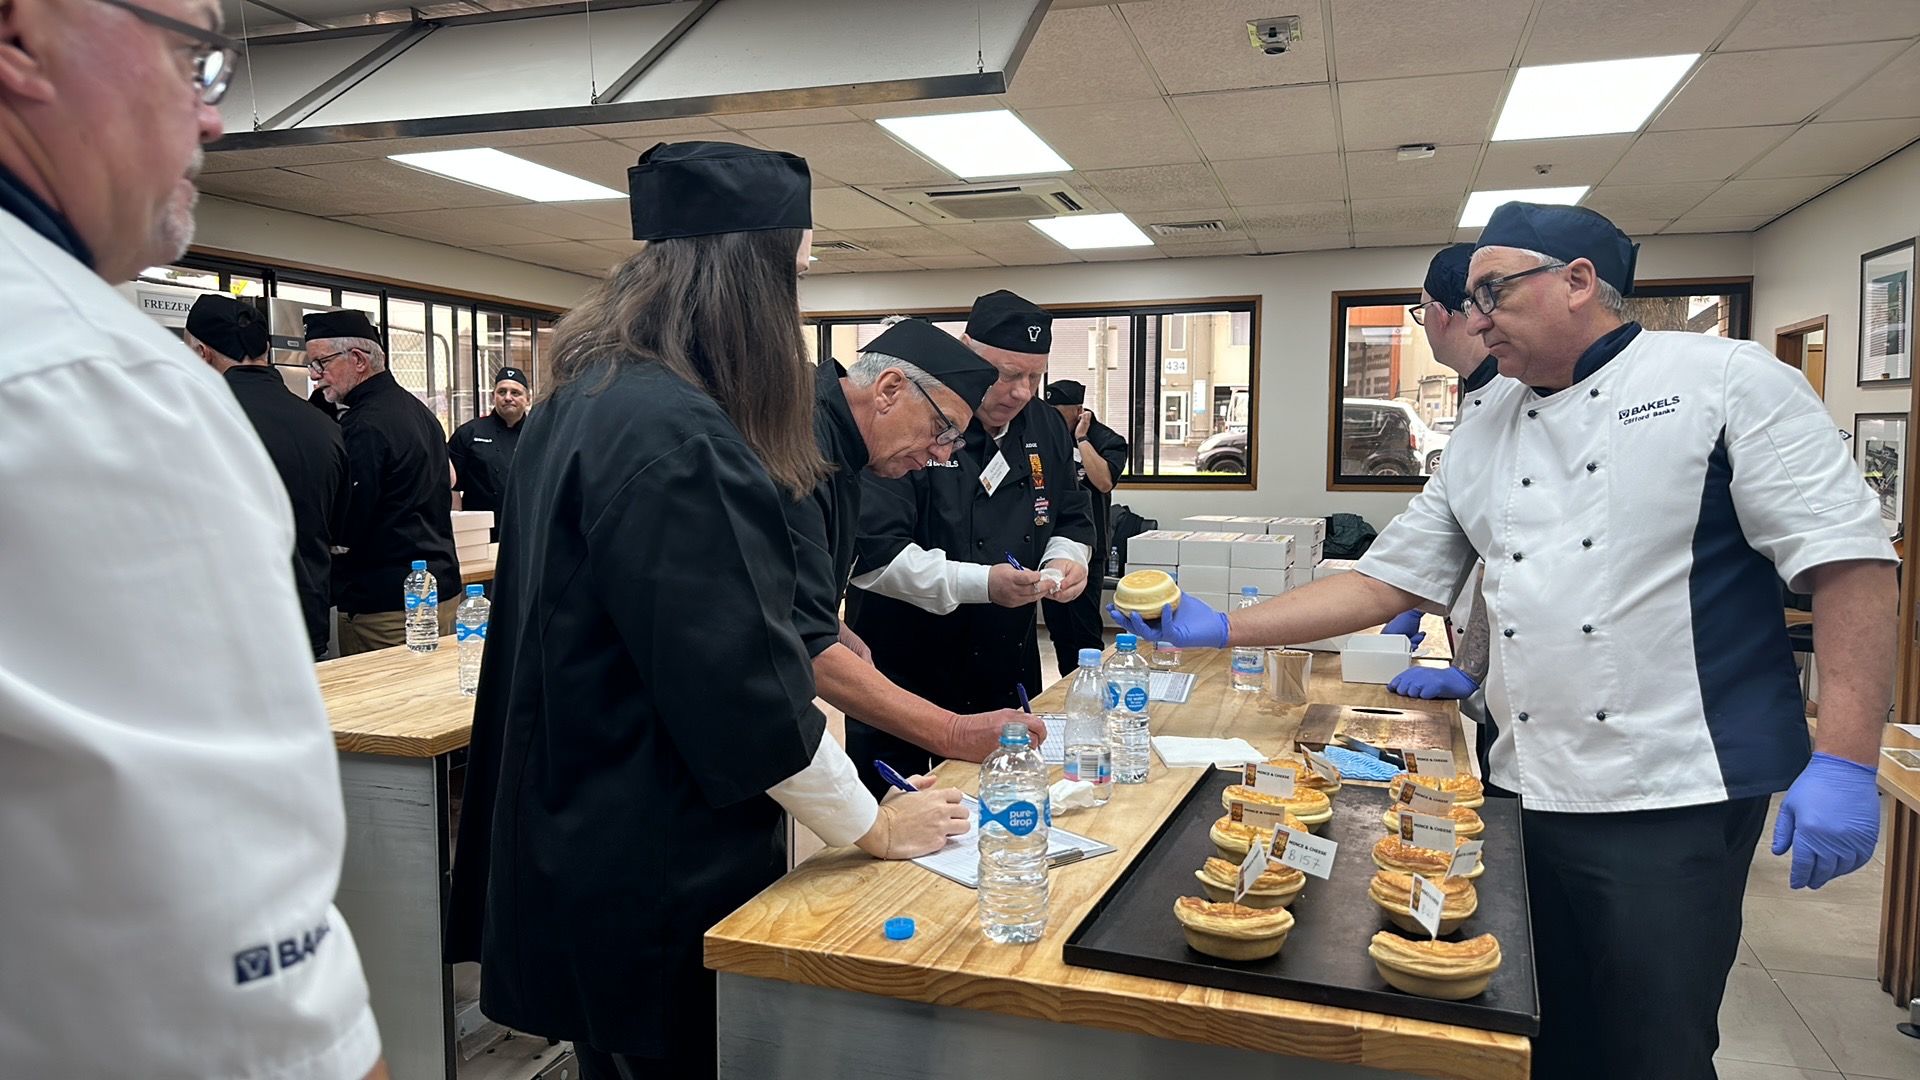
x=1025, y=705
x=1013, y=562
x=886, y=773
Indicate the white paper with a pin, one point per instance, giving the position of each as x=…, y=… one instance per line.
x=1170, y=686
x=1424, y=800
x=1182, y=752
x=1911, y=729
x=1251, y=868
x=960, y=860
x=1906, y=759
x=1270, y=780
x=1427, y=831
x=1307, y=853
x=995, y=472
x=1465, y=858
x=1427, y=902
x=1429, y=762
x=1323, y=768
x=1054, y=750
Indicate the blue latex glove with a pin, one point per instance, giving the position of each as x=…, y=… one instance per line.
x=1193, y=626
x=1831, y=819
x=1432, y=683
x=1407, y=623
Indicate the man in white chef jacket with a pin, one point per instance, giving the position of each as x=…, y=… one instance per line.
x=1638, y=498
x=170, y=820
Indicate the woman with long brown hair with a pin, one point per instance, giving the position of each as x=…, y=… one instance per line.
x=644, y=690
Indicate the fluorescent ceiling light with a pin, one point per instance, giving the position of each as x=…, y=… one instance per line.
x=1597, y=98
x=504, y=172
x=1093, y=231
x=978, y=144
x=1482, y=204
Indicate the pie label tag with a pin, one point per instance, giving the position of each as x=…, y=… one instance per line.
x=1323, y=768
x=1421, y=799
x=1427, y=902
x=1270, y=780
x=1465, y=858
x=1251, y=868
x=1260, y=817
x=995, y=472
x=1306, y=852
x=1430, y=762
x=1427, y=831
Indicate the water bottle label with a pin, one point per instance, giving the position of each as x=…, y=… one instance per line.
x=1113, y=695
x=1018, y=818
x=1248, y=665
x=463, y=631
x=1136, y=699
x=414, y=600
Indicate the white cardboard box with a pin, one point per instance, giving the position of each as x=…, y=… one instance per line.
x=1262, y=552
x=1206, y=548
x=1156, y=547
x=470, y=521
x=1206, y=522
x=1331, y=567
x=1375, y=658
x=1312, y=531
x=1269, y=582
x=1202, y=578
x=1314, y=555
x=1254, y=526
x=1216, y=601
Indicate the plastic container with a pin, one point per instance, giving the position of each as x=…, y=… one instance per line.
x=1249, y=664
x=1126, y=675
x=1088, y=755
x=1014, y=821
x=470, y=636
x=422, y=596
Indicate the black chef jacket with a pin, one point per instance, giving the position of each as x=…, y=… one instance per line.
x=826, y=523
x=312, y=462
x=642, y=688
x=1113, y=450
x=482, y=452
x=969, y=660
x=399, y=507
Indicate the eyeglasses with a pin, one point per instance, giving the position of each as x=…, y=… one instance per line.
x=1485, y=297
x=951, y=434
x=1418, y=312
x=213, y=55
x=318, y=364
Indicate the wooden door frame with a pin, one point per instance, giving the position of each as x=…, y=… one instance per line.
x=1789, y=344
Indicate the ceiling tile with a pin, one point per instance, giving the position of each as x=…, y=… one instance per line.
x=1645, y=201
x=929, y=106
x=1663, y=157
x=1445, y=110
x=1746, y=223
x=1851, y=146
x=860, y=262
x=600, y=161
x=1229, y=220
x=1263, y=223
x=1197, y=45
x=359, y=187
x=748, y=121
x=845, y=208
x=275, y=157
x=952, y=262
x=1388, y=39
x=1742, y=197
x=1261, y=123
x=1308, y=242
x=858, y=153
x=1581, y=160
x=575, y=257
x=1568, y=31
x=1892, y=91
x=625, y=249
x=567, y=221
x=1405, y=215
x=656, y=130
x=998, y=239
x=1306, y=178
x=460, y=228
x=1466, y=236
x=1781, y=24
x=915, y=241
x=1373, y=174
x=1209, y=248
x=1113, y=135
x=1639, y=226
x=1158, y=187
x=1404, y=238
x=614, y=212
x=1125, y=254
x=1079, y=57
x=1773, y=86
x=1036, y=257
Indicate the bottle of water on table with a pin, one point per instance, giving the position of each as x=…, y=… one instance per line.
x=1249, y=665
x=1088, y=755
x=1014, y=820
x=1126, y=674
x=1165, y=653
x=470, y=634
x=423, y=609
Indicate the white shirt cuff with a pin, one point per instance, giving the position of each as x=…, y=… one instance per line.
x=928, y=580
x=826, y=796
x=1059, y=547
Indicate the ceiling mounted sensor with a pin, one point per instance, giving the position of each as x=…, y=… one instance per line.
x=1276, y=35
x=1414, y=152
x=837, y=247
x=1189, y=230
x=1013, y=200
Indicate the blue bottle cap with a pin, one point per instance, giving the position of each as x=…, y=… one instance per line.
x=419, y=564
x=899, y=929
x=1126, y=642
x=1014, y=735
x=1249, y=590
x=1089, y=657
x=476, y=590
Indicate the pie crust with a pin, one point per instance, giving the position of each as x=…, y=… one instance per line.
x=1313, y=808
x=1233, y=931
x=1305, y=777
x=1391, y=853
x=1279, y=887
x=1146, y=592
x=1466, y=822
x=1231, y=838
x=1448, y=970
x=1392, y=891
x=1467, y=790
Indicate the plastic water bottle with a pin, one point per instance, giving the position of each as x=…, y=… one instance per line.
x=1014, y=820
x=1089, y=757
x=1126, y=674
x=1165, y=653
x=423, y=609
x=470, y=634
x=1249, y=665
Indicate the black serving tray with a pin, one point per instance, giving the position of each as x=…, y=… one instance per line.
x=1132, y=930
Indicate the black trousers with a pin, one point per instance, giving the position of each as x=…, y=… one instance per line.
x=867, y=744
x=1636, y=921
x=1075, y=625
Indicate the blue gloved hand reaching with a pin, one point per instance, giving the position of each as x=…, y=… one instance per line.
x=1407, y=623
x=1193, y=626
x=1831, y=820
x=1433, y=683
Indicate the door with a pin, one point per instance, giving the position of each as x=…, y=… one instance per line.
x=1803, y=345
x=1174, y=420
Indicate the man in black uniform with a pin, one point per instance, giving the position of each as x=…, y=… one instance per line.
x=1100, y=459
x=937, y=594
x=482, y=448
x=399, y=507
x=305, y=446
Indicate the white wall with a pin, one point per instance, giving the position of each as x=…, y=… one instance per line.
x=1807, y=264
x=275, y=235
x=1295, y=387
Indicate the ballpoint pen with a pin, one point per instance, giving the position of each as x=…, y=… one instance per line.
x=888, y=774
x=1025, y=705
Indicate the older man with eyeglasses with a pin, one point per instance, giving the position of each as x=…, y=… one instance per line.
x=171, y=828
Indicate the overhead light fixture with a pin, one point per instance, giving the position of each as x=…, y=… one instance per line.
x=1602, y=97
x=978, y=144
x=1482, y=204
x=496, y=171
x=1414, y=152
x=1093, y=231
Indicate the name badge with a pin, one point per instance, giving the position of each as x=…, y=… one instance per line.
x=995, y=472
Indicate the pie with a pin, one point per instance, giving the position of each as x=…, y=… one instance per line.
x=1232, y=838
x=1393, y=892
x=1448, y=970
x=1277, y=888
x=1310, y=806
x=1305, y=777
x=1467, y=790
x=1233, y=931
x=1466, y=823
x=1392, y=853
x=1146, y=592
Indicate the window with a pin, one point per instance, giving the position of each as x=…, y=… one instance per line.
x=1187, y=418
x=1397, y=403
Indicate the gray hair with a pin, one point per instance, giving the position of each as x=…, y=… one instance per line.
x=1609, y=296
x=866, y=371
x=376, y=356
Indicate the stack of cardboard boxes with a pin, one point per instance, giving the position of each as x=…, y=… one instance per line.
x=472, y=541
x=1214, y=556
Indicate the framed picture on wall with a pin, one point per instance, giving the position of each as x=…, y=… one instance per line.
x=1886, y=316
x=1880, y=446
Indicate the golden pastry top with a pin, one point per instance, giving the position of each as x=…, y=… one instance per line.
x=1465, y=818
x=1245, y=831
x=1145, y=592
x=1232, y=920
x=1393, y=890
x=1463, y=786
x=1304, y=800
x=1276, y=879
x=1435, y=959
x=1304, y=776
x=1399, y=855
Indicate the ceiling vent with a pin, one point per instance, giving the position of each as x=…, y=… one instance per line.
x=836, y=247
x=1009, y=200
x=1188, y=229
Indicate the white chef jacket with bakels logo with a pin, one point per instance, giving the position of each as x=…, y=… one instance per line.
x=1636, y=527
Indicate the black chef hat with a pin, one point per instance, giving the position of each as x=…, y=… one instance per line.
x=347, y=323
x=939, y=354
x=512, y=374
x=1447, y=276
x=1565, y=233
x=704, y=188
x=229, y=326
x=1066, y=392
x=1008, y=321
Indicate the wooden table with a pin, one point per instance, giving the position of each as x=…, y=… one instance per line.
x=808, y=985
x=1900, y=899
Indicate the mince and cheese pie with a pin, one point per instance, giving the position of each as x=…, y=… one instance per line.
x=1467, y=790
x=1305, y=777
x=1232, y=931
x=1448, y=970
x=1277, y=888
x=1232, y=838
x=1146, y=592
x=1466, y=823
x=1393, y=853
x=1393, y=892
x=1310, y=806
